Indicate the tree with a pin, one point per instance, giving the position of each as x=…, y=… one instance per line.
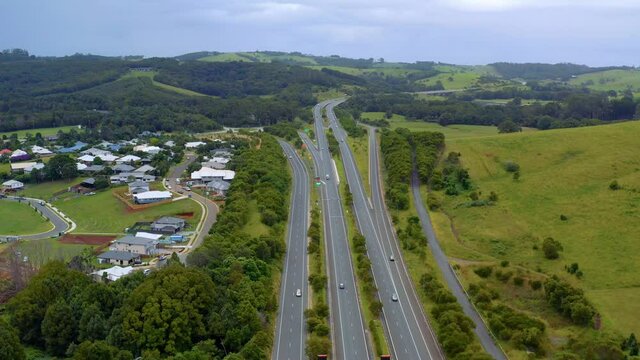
x=10, y=347
x=317, y=345
x=100, y=350
x=58, y=328
x=551, y=248
x=101, y=183
x=508, y=126
x=614, y=185
x=61, y=167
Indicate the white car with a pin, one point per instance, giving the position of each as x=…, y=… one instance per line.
x=341, y=286
x=391, y=258
x=394, y=297
x=298, y=293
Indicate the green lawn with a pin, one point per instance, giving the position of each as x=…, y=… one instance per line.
x=151, y=75
x=226, y=57
x=450, y=132
x=42, y=251
x=103, y=213
x=564, y=172
x=21, y=219
x=43, y=131
x=453, y=80
x=46, y=190
x=254, y=226
x=618, y=80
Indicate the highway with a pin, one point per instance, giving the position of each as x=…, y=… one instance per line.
x=59, y=224
x=290, y=326
x=481, y=329
x=407, y=329
x=347, y=325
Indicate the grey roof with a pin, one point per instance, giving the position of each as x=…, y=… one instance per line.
x=145, y=168
x=132, y=240
x=169, y=220
x=118, y=255
x=123, y=168
x=218, y=185
x=93, y=168
x=139, y=184
x=90, y=181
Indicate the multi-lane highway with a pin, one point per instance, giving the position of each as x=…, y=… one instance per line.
x=290, y=326
x=347, y=326
x=407, y=329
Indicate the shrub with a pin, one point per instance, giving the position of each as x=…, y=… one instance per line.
x=551, y=248
x=504, y=263
x=511, y=166
x=484, y=271
x=518, y=281
x=614, y=185
x=493, y=197
x=433, y=202
x=503, y=276
x=535, y=284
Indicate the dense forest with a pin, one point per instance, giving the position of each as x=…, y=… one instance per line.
x=219, y=306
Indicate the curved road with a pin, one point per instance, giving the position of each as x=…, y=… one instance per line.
x=409, y=333
x=59, y=224
x=290, y=328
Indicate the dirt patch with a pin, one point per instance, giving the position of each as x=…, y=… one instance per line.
x=86, y=239
x=185, y=215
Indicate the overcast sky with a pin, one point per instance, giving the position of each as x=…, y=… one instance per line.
x=593, y=32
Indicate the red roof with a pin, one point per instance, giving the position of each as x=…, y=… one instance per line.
x=5, y=151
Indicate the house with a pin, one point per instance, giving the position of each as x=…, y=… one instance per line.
x=219, y=187
x=93, y=169
x=150, y=197
x=128, y=159
x=75, y=148
x=220, y=159
x=222, y=153
x=120, y=168
x=170, y=143
x=214, y=165
x=168, y=225
x=39, y=150
x=96, y=152
x=138, y=187
x=194, y=144
x=127, y=177
x=108, y=158
x=12, y=185
x=19, y=155
x=5, y=152
x=112, y=274
x=135, y=245
x=21, y=167
x=88, y=183
x=146, y=235
x=145, y=169
x=147, y=149
x=87, y=159
x=118, y=257
x=81, y=166
x=52, y=138
x=206, y=175
x=36, y=166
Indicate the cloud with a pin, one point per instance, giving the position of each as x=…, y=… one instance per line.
x=342, y=33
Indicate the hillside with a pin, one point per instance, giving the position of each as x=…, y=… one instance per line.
x=617, y=80
x=563, y=172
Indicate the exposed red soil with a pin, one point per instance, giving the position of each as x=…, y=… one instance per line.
x=86, y=239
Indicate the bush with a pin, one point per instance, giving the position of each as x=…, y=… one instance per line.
x=504, y=263
x=535, y=284
x=503, y=276
x=511, y=166
x=614, y=185
x=551, y=248
x=569, y=301
x=493, y=197
x=518, y=281
x=484, y=271
x=563, y=217
x=433, y=202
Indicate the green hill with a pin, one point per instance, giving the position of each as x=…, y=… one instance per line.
x=618, y=80
x=563, y=172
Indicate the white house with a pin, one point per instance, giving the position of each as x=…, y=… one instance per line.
x=12, y=185
x=36, y=166
x=23, y=166
x=128, y=159
x=147, y=149
x=112, y=274
x=208, y=174
x=39, y=150
x=127, y=177
x=81, y=166
x=193, y=144
x=86, y=158
x=97, y=152
x=151, y=197
x=109, y=158
x=136, y=245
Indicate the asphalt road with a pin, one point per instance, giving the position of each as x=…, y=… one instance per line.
x=290, y=328
x=407, y=329
x=59, y=224
x=210, y=206
x=441, y=259
x=347, y=326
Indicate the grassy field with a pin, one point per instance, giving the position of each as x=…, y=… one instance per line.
x=453, y=80
x=226, y=57
x=360, y=148
x=254, y=226
x=618, y=80
x=450, y=132
x=151, y=75
x=43, y=131
x=21, y=219
x=563, y=172
x=42, y=251
x=46, y=190
x=103, y=213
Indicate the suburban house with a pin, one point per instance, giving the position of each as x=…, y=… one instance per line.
x=118, y=257
x=81, y=166
x=135, y=245
x=75, y=148
x=138, y=187
x=12, y=185
x=128, y=159
x=87, y=159
x=127, y=177
x=36, y=166
x=20, y=167
x=214, y=165
x=193, y=144
x=170, y=143
x=149, y=197
x=88, y=183
x=19, y=155
x=147, y=149
x=93, y=169
x=5, y=152
x=39, y=150
x=112, y=274
x=120, y=168
x=168, y=225
x=97, y=152
x=145, y=169
x=219, y=187
x=206, y=175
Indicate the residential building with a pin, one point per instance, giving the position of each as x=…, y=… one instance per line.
x=112, y=274
x=19, y=155
x=135, y=245
x=138, y=187
x=21, y=167
x=39, y=150
x=214, y=165
x=87, y=159
x=206, y=175
x=5, y=152
x=127, y=177
x=12, y=185
x=151, y=197
x=146, y=235
x=127, y=159
x=75, y=148
x=145, y=169
x=88, y=183
x=219, y=187
x=170, y=143
x=120, y=168
x=36, y=166
x=118, y=257
x=97, y=152
x=147, y=149
x=93, y=169
x=81, y=166
x=168, y=225
x=194, y=144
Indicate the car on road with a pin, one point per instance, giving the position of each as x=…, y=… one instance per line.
x=391, y=258
x=187, y=188
x=394, y=297
x=162, y=258
x=290, y=157
x=41, y=202
x=341, y=286
x=327, y=177
x=298, y=293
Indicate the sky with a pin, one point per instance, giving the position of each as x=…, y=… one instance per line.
x=592, y=32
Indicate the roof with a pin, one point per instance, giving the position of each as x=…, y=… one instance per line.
x=90, y=181
x=123, y=167
x=107, y=157
x=81, y=166
x=145, y=168
x=193, y=144
x=78, y=145
x=128, y=158
x=146, y=235
x=133, y=240
x=36, y=166
x=22, y=165
x=5, y=151
x=169, y=220
x=19, y=153
x=115, y=272
x=209, y=172
x=218, y=185
x=153, y=195
x=139, y=184
x=94, y=168
x=87, y=158
x=118, y=255
x=40, y=150
x=12, y=183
